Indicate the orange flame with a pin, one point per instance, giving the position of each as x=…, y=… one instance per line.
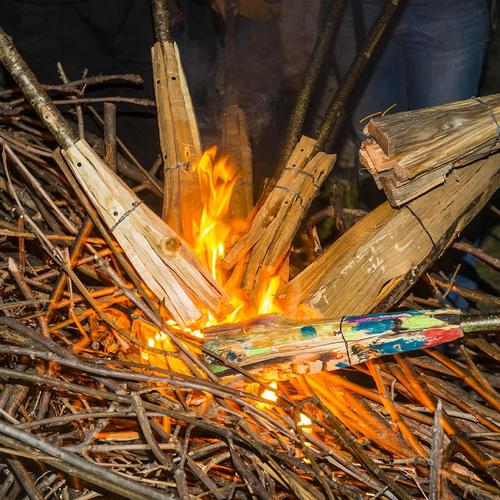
x=217, y=179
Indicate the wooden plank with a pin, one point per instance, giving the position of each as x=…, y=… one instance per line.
x=276, y=348
x=387, y=250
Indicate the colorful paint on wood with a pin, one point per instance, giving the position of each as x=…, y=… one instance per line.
x=278, y=348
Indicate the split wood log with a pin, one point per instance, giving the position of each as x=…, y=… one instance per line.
x=277, y=348
x=236, y=144
x=162, y=259
x=235, y=139
x=379, y=258
x=178, y=129
x=275, y=223
x=412, y=152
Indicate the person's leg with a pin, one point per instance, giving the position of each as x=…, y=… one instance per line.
x=445, y=43
x=382, y=83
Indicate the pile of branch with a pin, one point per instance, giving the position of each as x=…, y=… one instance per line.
x=88, y=408
x=410, y=153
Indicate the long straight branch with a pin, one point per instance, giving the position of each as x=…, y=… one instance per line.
x=354, y=73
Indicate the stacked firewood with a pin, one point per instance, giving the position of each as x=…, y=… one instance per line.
x=412, y=152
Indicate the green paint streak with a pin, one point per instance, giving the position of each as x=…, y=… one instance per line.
x=420, y=322
x=217, y=368
x=255, y=351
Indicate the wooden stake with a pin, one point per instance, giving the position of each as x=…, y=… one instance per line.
x=236, y=144
x=179, y=135
x=235, y=139
x=270, y=236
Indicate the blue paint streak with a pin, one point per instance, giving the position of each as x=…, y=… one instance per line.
x=232, y=356
x=308, y=332
x=390, y=315
x=341, y=364
x=374, y=327
x=398, y=346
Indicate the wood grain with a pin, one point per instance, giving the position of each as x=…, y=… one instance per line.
x=385, y=250
x=412, y=152
x=179, y=140
x=161, y=258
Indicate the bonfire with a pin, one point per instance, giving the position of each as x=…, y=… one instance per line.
x=188, y=356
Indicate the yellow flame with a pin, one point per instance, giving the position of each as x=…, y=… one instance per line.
x=217, y=178
x=270, y=395
x=304, y=421
x=267, y=303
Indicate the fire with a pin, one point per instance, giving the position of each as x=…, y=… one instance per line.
x=267, y=303
x=270, y=395
x=304, y=421
x=217, y=178
x=213, y=232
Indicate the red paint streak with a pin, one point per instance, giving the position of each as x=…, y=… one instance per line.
x=436, y=336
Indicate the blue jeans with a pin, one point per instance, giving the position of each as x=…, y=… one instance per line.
x=432, y=54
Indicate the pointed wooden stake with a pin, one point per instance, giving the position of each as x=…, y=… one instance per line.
x=179, y=135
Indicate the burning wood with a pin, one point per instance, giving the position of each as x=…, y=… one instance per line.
x=272, y=229
x=375, y=262
x=179, y=136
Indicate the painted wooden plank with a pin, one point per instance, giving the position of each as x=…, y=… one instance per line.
x=278, y=348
